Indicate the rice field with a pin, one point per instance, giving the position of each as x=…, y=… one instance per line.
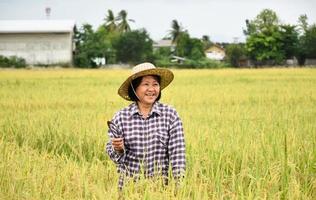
x=250, y=134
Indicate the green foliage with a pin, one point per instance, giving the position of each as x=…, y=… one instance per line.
x=307, y=45
x=12, y=61
x=307, y=41
x=207, y=43
x=269, y=42
x=265, y=47
x=311, y=41
x=191, y=48
x=183, y=45
x=119, y=24
x=235, y=52
x=108, y=38
x=186, y=46
x=264, y=41
x=302, y=23
x=197, y=49
x=90, y=45
x=82, y=57
x=289, y=40
x=134, y=47
x=162, y=53
x=123, y=25
x=110, y=22
x=176, y=31
x=267, y=19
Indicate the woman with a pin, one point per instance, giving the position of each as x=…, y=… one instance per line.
x=146, y=135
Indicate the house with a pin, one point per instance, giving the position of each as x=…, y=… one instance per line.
x=215, y=52
x=164, y=43
x=39, y=42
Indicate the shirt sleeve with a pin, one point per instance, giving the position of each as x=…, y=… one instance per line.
x=176, y=148
x=115, y=156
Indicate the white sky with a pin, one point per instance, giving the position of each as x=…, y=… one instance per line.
x=222, y=20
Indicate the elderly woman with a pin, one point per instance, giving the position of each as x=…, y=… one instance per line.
x=146, y=135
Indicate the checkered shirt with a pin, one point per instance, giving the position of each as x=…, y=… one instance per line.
x=149, y=144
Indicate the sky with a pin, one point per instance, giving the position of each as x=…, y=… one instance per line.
x=221, y=20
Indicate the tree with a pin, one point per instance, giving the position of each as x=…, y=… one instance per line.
x=302, y=23
x=110, y=20
x=81, y=57
x=206, y=42
x=266, y=20
x=176, y=31
x=197, y=49
x=289, y=40
x=264, y=39
x=306, y=41
x=89, y=45
x=250, y=28
x=189, y=47
x=162, y=53
x=183, y=45
x=234, y=52
x=134, y=47
x=82, y=34
x=123, y=25
x=311, y=41
x=265, y=48
x=107, y=37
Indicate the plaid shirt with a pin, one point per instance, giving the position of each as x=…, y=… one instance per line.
x=149, y=144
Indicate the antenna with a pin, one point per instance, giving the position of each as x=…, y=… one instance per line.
x=48, y=11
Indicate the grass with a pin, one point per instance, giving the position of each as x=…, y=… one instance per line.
x=250, y=134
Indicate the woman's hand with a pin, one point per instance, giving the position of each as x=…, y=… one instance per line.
x=118, y=144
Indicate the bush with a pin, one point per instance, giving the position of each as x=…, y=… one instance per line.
x=12, y=61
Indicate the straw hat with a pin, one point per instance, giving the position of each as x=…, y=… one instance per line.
x=144, y=69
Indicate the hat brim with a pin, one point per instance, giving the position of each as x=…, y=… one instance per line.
x=166, y=77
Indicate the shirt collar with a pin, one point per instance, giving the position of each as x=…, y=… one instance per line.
x=134, y=109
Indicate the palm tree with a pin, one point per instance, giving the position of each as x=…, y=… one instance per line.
x=206, y=41
x=206, y=38
x=176, y=31
x=110, y=24
x=123, y=25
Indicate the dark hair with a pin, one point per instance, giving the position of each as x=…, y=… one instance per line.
x=136, y=82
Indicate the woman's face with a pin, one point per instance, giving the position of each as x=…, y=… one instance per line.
x=148, y=90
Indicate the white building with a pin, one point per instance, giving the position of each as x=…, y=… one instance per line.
x=39, y=42
x=164, y=43
x=215, y=52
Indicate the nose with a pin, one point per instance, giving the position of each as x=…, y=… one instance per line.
x=151, y=87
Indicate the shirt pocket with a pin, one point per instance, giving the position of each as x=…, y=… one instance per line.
x=161, y=138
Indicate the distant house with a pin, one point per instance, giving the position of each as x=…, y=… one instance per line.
x=215, y=52
x=164, y=43
x=39, y=42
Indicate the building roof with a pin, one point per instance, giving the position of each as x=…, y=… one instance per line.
x=215, y=47
x=36, y=26
x=164, y=43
